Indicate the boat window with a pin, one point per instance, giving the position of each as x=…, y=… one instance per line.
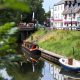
x=63, y=60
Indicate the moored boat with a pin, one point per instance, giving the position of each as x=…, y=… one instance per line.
x=70, y=64
x=33, y=51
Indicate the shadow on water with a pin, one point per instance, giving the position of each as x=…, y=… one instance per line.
x=25, y=71
x=70, y=74
x=44, y=70
x=28, y=67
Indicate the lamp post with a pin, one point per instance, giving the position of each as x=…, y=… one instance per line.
x=33, y=15
x=49, y=14
x=33, y=9
x=71, y=18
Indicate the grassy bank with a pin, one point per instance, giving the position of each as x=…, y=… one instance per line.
x=63, y=42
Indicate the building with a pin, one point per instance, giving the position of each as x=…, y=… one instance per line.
x=56, y=14
x=51, y=17
x=71, y=13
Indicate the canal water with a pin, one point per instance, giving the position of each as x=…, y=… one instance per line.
x=43, y=70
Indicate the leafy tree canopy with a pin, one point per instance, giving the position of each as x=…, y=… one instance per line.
x=11, y=10
x=14, y=4
x=7, y=42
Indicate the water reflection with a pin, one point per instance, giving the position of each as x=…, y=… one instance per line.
x=43, y=71
x=54, y=72
x=5, y=75
x=25, y=71
x=70, y=74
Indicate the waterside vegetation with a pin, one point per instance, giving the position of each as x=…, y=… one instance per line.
x=63, y=42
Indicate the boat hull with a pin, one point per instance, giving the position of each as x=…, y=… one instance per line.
x=35, y=54
x=31, y=50
x=31, y=55
x=69, y=68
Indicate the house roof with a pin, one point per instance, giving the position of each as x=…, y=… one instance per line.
x=69, y=0
x=60, y=2
x=78, y=1
x=71, y=10
x=63, y=1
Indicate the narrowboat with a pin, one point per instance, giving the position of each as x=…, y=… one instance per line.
x=33, y=51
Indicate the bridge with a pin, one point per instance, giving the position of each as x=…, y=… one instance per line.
x=26, y=27
x=26, y=30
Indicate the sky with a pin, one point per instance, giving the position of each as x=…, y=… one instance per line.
x=48, y=3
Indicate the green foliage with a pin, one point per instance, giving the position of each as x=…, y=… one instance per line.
x=8, y=47
x=37, y=35
x=11, y=10
x=9, y=43
x=11, y=40
x=47, y=15
x=9, y=15
x=61, y=42
x=1, y=78
x=4, y=48
x=36, y=7
x=77, y=53
x=14, y=4
x=4, y=29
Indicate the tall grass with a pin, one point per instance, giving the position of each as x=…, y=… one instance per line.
x=63, y=42
x=37, y=35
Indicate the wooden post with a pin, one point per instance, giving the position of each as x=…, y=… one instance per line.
x=31, y=38
x=73, y=50
x=70, y=61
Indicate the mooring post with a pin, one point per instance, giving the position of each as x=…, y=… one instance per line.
x=73, y=50
x=31, y=38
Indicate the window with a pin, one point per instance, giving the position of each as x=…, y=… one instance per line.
x=65, y=16
x=58, y=7
x=66, y=3
x=55, y=16
x=67, y=24
x=55, y=8
x=78, y=4
x=69, y=3
x=70, y=15
x=74, y=15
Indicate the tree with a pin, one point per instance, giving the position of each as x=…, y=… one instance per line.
x=36, y=7
x=11, y=10
x=7, y=41
x=38, y=10
x=47, y=15
x=40, y=15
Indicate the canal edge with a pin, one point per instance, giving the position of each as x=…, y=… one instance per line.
x=51, y=56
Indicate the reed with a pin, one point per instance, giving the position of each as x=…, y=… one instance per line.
x=60, y=42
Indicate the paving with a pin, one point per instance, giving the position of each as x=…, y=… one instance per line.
x=50, y=53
